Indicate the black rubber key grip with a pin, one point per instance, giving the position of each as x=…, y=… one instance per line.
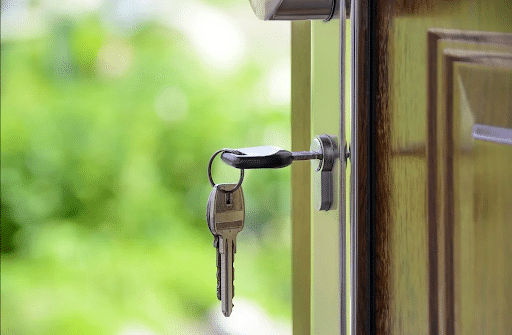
x=258, y=158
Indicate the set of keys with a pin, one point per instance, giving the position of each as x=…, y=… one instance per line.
x=225, y=211
x=225, y=215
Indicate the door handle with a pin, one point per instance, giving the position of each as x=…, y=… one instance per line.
x=296, y=9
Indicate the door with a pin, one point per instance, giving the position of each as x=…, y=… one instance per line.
x=429, y=247
x=432, y=154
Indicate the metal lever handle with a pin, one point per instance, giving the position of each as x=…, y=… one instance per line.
x=296, y=9
x=266, y=157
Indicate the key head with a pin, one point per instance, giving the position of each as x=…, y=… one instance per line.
x=266, y=157
x=226, y=210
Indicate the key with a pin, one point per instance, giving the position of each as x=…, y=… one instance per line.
x=266, y=157
x=226, y=215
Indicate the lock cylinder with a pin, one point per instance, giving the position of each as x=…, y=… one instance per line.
x=296, y=9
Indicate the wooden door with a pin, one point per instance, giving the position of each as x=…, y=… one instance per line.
x=432, y=167
x=431, y=180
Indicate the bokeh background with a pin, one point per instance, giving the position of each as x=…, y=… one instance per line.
x=110, y=111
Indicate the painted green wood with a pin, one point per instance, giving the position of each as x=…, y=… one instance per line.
x=325, y=229
x=316, y=110
x=301, y=177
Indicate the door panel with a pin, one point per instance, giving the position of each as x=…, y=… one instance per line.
x=433, y=203
x=448, y=51
x=482, y=182
x=478, y=190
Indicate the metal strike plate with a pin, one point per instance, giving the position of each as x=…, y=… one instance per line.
x=323, y=176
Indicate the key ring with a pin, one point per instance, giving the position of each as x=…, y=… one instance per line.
x=236, y=152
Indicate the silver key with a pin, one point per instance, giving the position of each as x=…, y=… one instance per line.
x=226, y=215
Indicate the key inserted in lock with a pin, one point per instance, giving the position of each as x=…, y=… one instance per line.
x=266, y=157
x=324, y=152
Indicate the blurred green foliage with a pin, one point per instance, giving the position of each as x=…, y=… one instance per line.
x=104, y=187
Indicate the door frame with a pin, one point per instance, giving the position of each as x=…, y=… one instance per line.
x=304, y=251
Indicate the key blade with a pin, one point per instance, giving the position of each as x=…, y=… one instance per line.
x=226, y=248
x=227, y=217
